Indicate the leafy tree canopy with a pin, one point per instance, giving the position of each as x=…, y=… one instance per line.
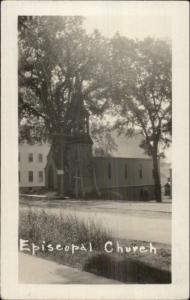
x=141, y=94
x=129, y=79
x=141, y=89
x=57, y=60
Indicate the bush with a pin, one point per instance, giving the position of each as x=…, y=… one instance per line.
x=40, y=226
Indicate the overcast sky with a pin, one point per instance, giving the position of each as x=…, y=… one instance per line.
x=129, y=26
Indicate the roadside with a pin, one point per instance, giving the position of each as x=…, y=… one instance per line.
x=125, y=220
x=99, y=205
x=127, y=265
x=38, y=270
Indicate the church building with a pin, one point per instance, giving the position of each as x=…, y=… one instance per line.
x=72, y=169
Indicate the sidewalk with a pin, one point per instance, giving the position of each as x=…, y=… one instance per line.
x=37, y=270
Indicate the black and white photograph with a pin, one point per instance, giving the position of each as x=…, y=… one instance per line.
x=95, y=120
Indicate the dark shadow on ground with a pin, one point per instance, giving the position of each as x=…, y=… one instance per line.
x=126, y=270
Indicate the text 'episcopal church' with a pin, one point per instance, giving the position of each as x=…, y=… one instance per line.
x=73, y=170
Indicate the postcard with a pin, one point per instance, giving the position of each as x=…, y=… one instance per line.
x=95, y=150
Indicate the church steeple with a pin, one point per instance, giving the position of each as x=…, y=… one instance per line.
x=72, y=150
x=77, y=115
x=79, y=161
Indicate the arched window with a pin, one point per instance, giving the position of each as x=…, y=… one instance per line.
x=109, y=170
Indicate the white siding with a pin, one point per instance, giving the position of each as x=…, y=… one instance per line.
x=36, y=166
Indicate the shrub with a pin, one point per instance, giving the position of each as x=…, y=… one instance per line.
x=38, y=226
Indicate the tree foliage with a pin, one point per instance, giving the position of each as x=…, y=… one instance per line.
x=130, y=79
x=141, y=89
x=57, y=60
x=104, y=142
x=141, y=92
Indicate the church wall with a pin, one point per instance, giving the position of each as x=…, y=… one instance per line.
x=129, y=178
x=79, y=164
x=54, y=178
x=135, y=193
x=124, y=171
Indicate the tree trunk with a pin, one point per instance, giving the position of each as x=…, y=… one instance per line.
x=156, y=173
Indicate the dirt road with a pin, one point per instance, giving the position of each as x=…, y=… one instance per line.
x=130, y=220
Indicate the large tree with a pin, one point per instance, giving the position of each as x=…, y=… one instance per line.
x=141, y=92
x=57, y=60
x=58, y=64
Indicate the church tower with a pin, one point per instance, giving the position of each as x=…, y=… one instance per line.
x=70, y=168
x=79, y=170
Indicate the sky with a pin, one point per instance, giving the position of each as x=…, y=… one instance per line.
x=130, y=26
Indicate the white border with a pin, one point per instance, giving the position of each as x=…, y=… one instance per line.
x=9, y=260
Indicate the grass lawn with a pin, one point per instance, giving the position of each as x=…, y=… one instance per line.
x=132, y=267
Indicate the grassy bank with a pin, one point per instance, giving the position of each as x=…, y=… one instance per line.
x=43, y=229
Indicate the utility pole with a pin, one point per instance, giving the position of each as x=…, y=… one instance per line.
x=61, y=171
x=60, y=143
x=77, y=178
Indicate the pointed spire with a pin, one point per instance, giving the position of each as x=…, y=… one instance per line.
x=77, y=115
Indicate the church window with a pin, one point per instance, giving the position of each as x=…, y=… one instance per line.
x=30, y=157
x=140, y=172
x=109, y=171
x=19, y=176
x=40, y=176
x=30, y=176
x=126, y=171
x=40, y=157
